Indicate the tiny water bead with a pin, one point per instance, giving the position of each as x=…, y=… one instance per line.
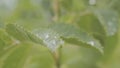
x=92, y=2
x=112, y=27
x=96, y=44
x=91, y=43
x=47, y=36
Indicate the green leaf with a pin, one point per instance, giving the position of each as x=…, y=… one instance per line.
x=1, y=24
x=45, y=37
x=109, y=20
x=72, y=5
x=2, y=46
x=5, y=37
x=110, y=46
x=34, y=38
x=6, y=43
x=17, y=32
x=40, y=57
x=90, y=26
x=68, y=31
x=18, y=57
x=66, y=5
x=21, y=34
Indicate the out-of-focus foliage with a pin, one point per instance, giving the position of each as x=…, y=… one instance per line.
x=86, y=30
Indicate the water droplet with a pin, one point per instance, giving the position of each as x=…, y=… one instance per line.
x=37, y=35
x=47, y=36
x=91, y=43
x=111, y=28
x=92, y=2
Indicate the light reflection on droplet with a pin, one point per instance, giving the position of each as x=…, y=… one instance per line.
x=111, y=27
x=46, y=36
x=91, y=43
x=92, y=2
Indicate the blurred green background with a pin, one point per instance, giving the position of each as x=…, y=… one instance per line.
x=84, y=14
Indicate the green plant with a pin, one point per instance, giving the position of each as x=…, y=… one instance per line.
x=59, y=33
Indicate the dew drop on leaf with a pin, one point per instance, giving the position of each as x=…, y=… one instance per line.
x=50, y=38
x=91, y=43
x=92, y=2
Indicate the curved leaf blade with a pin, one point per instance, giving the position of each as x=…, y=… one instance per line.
x=6, y=43
x=17, y=32
x=21, y=34
x=109, y=20
x=69, y=31
x=18, y=57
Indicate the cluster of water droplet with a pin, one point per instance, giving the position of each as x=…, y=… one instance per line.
x=51, y=39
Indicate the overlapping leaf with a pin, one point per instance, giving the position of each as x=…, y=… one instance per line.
x=19, y=33
x=44, y=37
x=51, y=37
x=68, y=31
x=109, y=20
x=18, y=57
x=6, y=43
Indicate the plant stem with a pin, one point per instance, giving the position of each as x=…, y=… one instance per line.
x=57, y=53
x=57, y=58
x=56, y=10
